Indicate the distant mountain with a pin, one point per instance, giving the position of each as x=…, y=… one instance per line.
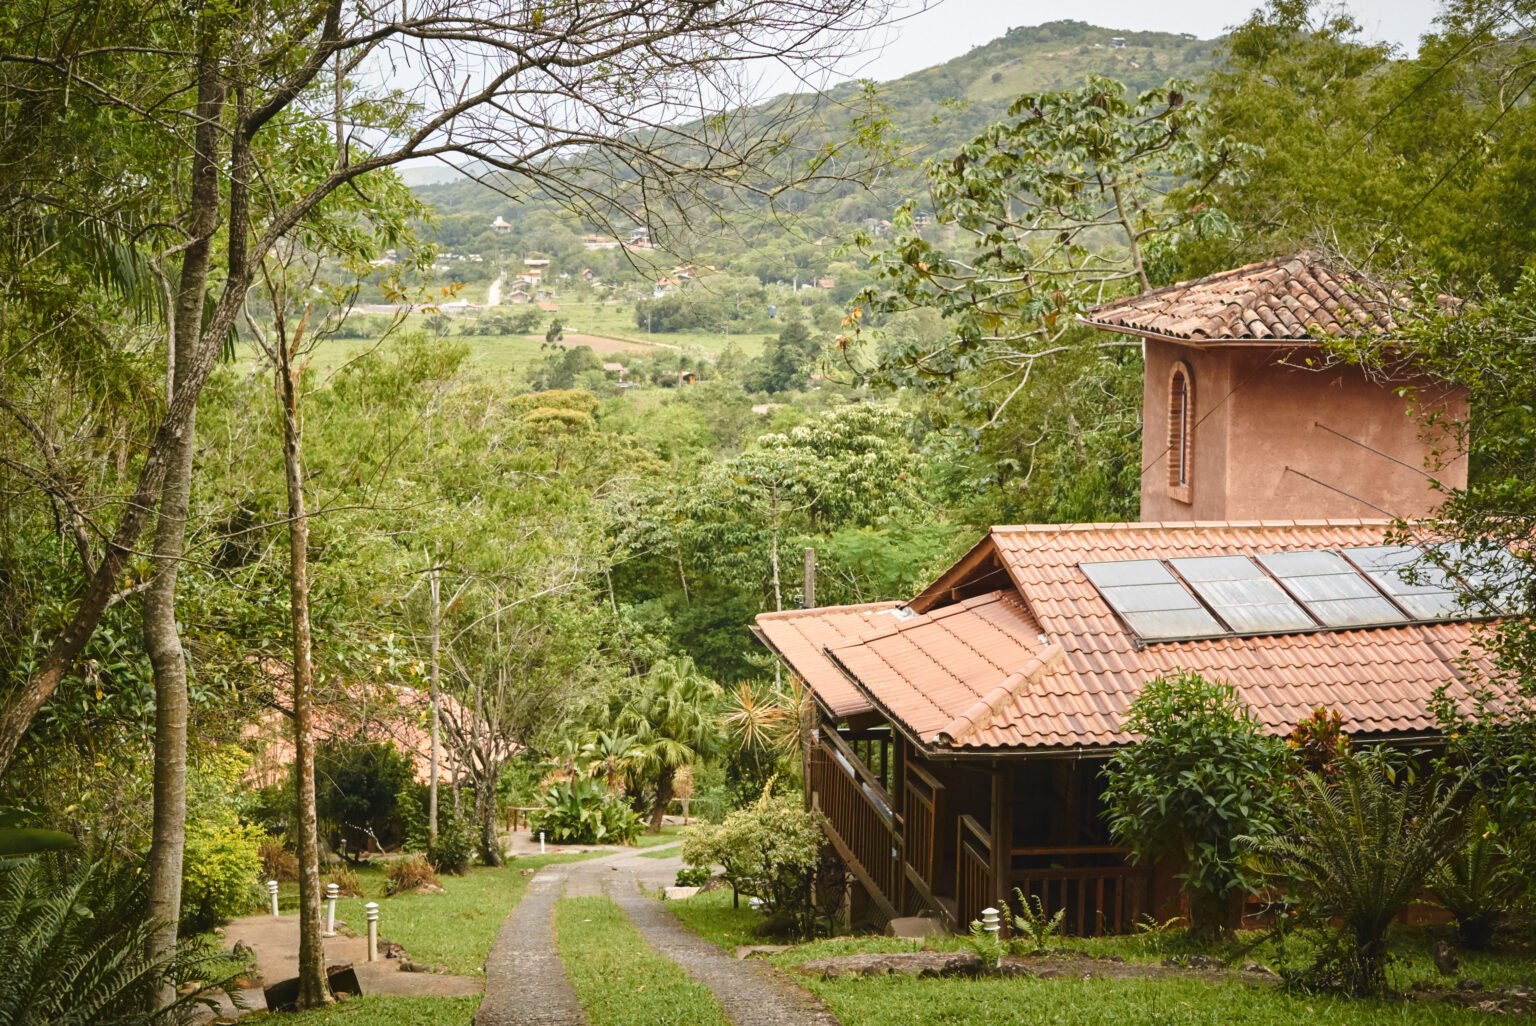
x=933, y=111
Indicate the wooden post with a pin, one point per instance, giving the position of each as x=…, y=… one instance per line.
x=435, y=585
x=809, y=600
x=1001, y=829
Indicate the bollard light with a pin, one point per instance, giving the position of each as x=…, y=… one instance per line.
x=332, y=892
x=272, y=890
x=372, y=908
x=991, y=923
x=541, y=842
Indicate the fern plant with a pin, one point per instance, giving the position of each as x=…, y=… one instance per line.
x=72, y=951
x=1032, y=928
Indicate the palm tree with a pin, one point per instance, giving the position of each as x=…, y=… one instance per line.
x=672, y=714
x=610, y=755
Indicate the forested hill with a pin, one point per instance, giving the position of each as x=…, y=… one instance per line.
x=931, y=111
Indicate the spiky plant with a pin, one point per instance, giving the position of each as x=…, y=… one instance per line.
x=1478, y=883
x=1360, y=847
x=72, y=950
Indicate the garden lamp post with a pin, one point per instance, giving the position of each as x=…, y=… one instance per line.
x=272, y=891
x=332, y=892
x=372, y=908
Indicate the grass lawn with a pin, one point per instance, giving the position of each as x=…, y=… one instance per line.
x=671, y=833
x=1111, y=1002
x=452, y=930
x=619, y=979
x=382, y=1011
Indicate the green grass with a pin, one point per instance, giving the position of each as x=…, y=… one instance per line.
x=659, y=853
x=671, y=833
x=452, y=930
x=618, y=978
x=1071, y=1002
x=381, y=1011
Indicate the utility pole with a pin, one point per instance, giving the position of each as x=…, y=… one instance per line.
x=434, y=585
x=810, y=580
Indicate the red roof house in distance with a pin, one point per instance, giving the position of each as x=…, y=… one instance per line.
x=962, y=732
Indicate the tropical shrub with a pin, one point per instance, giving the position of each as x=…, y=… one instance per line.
x=221, y=863
x=693, y=876
x=1478, y=883
x=583, y=811
x=1203, y=775
x=450, y=852
x=277, y=862
x=671, y=714
x=412, y=873
x=72, y=950
x=1355, y=850
x=356, y=784
x=346, y=881
x=771, y=850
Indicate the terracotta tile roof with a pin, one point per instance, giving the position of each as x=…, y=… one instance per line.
x=1293, y=298
x=971, y=658
x=801, y=637
x=1051, y=666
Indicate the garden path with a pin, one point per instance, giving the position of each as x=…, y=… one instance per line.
x=525, y=983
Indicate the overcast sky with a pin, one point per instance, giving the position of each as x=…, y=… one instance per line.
x=952, y=27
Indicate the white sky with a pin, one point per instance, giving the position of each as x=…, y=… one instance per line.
x=952, y=27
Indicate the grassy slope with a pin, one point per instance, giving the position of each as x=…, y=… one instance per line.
x=383, y=1011
x=619, y=979
x=1101, y=1002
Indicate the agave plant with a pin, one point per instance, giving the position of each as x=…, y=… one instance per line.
x=1361, y=846
x=72, y=951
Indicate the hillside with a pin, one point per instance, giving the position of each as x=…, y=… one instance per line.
x=931, y=111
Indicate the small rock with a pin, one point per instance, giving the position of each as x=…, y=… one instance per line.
x=1469, y=984
x=760, y=950
x=678, y=893
x=912, y=963
x=1490, y=1007
x=1256, y=967
x=243, y=950
x=914, y=927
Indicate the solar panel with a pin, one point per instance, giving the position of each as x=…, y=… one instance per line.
x=1242, y=594
x=1331, y=589
x=1151, y=600
x=1491, y=572
x=1411, y=579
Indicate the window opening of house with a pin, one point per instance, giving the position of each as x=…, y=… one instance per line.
x=1180, y=411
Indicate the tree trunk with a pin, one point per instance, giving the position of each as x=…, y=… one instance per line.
x=314, y=990
x=485, y=815
x=1212, y=918
x=435, y=585
x=162, y=640
x=663, y=798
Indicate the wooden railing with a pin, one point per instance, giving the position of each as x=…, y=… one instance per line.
x=920, y=812
x=1099, y=899
x=858, y=811
x=973, y=872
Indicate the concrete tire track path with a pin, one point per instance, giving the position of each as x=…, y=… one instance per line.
x=525, y=981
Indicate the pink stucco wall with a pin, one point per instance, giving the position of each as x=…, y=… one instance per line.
x=1262, y=422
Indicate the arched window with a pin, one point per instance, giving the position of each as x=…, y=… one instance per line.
x=1181, y=432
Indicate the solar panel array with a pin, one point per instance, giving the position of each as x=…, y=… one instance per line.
x=1285, y=592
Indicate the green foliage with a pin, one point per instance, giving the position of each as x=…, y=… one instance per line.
x=694, y=876
x=356, y=788
x=1033, y=930
x=787, y=361
x=770, y=850
x=1203, y=774
x=582, y=811
x=1356, y=849
x=672, y=715
x=72, y=950
x=220, y=868
x=1479, y=884
x=16, y=839
x=451, y=851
